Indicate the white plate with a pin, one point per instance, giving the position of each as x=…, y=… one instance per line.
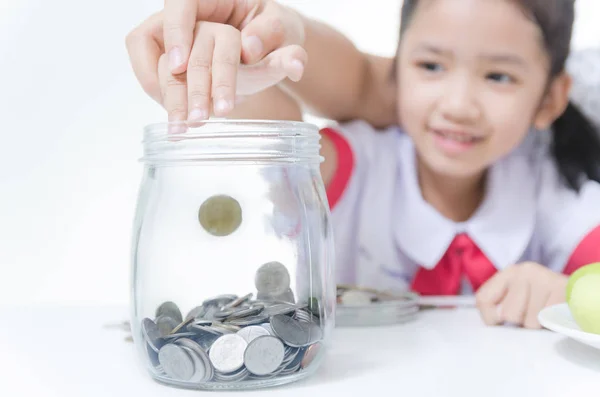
x=558, y=319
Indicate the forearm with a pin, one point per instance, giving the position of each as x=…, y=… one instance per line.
x=342, y=83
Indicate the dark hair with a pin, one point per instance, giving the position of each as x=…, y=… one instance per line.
x=576, y=142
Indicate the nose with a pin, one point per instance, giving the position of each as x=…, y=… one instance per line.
x=459, y=102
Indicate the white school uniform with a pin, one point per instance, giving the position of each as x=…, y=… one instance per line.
x=385, y=233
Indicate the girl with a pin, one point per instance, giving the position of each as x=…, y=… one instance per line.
x=489, y=183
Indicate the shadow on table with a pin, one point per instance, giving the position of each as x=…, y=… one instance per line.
x=579, y=353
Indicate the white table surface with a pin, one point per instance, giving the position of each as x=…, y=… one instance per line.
x=69, y=352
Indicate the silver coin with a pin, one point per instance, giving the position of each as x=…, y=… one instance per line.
x=222, y=314
x=166, y=324
x=151, y=334
x=252, y=332
x=239, y=301
x=206, y=372
x=356, y=298
x=153, y=356
x=295, y=333
x=173, y=337
x=279, y=308
x=220, y=215
x=248, y=312
x=264, y=355
x=253, y=320
x=201, y=330
x=196, y=313
x=169, y=309
x=226, y=327
x=287, y=296
x=233, y=377
x=206, y=341
x=176, y=362
x=267, y=326
x=227, y=353
x=272, y=278
x=199, y=368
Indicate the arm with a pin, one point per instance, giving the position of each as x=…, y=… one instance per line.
x=275, y=104
x=342, y=83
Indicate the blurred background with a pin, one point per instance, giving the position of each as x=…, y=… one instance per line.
x=72, y=115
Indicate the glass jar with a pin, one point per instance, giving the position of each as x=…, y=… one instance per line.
x=232, y=259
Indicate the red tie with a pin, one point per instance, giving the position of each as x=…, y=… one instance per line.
x=463, y=257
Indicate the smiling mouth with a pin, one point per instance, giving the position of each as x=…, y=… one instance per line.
x=460, y=137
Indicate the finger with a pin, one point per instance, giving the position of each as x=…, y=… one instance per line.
x=178, y=30
x=489, y=296
x=175, y=98
x=163, y=75
x=514, y=305
x=225, y=64
x=263, y=34
x=144, y=47
x=243, y=14
x=199, y=74
x=537, y=301
x=287, y=62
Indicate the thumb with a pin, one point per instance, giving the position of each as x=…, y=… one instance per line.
x=178, y=30
x=491, y=294
x=262, y=35
x=286, y=62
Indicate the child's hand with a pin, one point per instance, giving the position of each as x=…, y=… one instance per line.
x=192, y=67
x=517, y=294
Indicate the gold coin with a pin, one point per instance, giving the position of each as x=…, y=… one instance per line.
x=220, y=215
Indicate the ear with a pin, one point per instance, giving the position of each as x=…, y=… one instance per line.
x=554, y=102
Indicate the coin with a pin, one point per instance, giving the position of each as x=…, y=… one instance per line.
x=176, y=362
x=152, y=334
x=203, y=368
x=227, y=353
x=264, y=355
x=295, y=333
x=311, y=352
x=197, y=312
x=166, y=324
x=272, y=279
x=220, y=215
x=169, y=309
x=252, y=332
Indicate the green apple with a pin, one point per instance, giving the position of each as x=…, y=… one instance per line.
x=585, y=302
x=592, y=268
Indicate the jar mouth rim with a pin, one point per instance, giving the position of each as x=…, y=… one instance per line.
x=250, y=127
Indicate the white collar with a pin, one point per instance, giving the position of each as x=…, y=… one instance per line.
x=502, y=227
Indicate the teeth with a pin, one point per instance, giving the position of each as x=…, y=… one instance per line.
x=458, y=137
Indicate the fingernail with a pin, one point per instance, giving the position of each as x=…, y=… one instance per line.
x=223, y=106
x=198, y=114
x=175, y=58
x=297, y=69
x=252, y=45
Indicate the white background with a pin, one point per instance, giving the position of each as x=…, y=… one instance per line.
x=71, y=119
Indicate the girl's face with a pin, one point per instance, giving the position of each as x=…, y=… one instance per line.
x=471, y=78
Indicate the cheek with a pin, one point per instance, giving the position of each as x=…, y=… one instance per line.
x=414, y=100
x=510, y=118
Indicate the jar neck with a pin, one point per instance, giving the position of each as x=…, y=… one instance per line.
x=232, y=141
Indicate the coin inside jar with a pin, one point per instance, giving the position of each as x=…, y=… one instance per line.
x=220, y=215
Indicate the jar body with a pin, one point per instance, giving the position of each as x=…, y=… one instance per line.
x=232, y=261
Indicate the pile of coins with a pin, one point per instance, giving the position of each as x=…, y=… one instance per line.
x=359, y=306
x=232, y=338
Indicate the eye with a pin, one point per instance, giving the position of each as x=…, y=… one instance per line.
x=431, y=66
x=502, y=78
